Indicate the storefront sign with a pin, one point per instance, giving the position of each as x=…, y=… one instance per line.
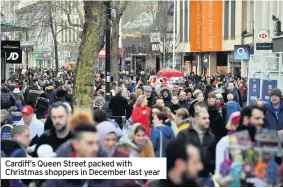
x=241, y=52
x=264, y=46
x=13, y=51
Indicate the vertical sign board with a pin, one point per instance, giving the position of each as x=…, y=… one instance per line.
x=13, y=51
x=254, y=90
x=205, y=26
x=267, y=86
x=6, y=131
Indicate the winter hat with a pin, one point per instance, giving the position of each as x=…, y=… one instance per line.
x=147, y=88
x=4, y=114
x=276, y=91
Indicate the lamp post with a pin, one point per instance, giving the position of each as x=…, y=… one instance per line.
x=107, y=51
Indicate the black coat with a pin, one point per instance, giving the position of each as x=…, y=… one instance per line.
x=207, y=149
x=217, y=123
x=118, y=104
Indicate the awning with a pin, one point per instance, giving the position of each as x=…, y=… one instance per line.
x=101, y=54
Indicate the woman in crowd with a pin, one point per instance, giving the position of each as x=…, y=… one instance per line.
x=130, y=106
x=136, y=143
x=182, y=119
x=171, y=117
x=141, y=113
x=18, y=97
x=161, y=134
x=153, y=112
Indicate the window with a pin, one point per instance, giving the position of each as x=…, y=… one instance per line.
x=226, y=20
x=186, y=20
x=233, y=18
x=181, y=21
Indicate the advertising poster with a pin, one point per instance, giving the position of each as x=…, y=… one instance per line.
x=267, y=86
x=6, y=131
x=254, y=90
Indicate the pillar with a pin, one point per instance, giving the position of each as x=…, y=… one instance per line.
x=212, y=63
x=273, y=11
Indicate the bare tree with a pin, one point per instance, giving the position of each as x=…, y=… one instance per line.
x=44, y=17
x=91, y=43
x=120, y=7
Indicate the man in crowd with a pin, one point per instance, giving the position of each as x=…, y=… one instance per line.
x=21, y=134
x=118, y=103
x=59, y=133
x=217, y=123
x=84, y=144
x=183, y=166
x=160, y=101
x=176, y=89
x=149, y=95
x=7, y=98
x=252, y=120
x=199, y=135
x=183, y=100
x=36, y=126
x=274, y=111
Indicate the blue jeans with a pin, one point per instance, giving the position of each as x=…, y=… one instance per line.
x=206, y=182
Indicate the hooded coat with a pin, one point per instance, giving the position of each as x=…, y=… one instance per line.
x=160, y=136
x=126, y=143
x=50, y=93
x=167, y=100
x=66, y=150
x=18, y=96
x=7, y=98
x=105, y=128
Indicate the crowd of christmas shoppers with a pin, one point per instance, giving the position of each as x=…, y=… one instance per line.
x=188, y=122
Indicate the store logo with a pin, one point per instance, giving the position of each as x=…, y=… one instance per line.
x=241, y=52
x=13, y=56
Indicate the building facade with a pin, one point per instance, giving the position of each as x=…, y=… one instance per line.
x=209, y=30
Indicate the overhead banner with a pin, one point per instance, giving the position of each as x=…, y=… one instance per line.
x=206, y=26
x=254, y=90
x=13, y=51
x=267, y=86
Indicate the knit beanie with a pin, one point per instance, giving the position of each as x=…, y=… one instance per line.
x=277, y=92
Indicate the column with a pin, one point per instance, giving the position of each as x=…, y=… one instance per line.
x=212, y=63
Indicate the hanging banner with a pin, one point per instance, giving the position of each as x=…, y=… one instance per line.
x=267, y=86
x=254, y=90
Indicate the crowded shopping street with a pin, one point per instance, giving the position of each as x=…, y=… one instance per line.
x=198, y=83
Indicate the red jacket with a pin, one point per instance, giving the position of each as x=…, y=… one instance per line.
x=139, y=117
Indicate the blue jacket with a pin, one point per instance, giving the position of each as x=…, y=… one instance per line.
x=167, y=135
x=231, y=107
x=272, y=121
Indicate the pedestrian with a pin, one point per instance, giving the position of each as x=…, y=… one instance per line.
x=183, y=166
x=118, y=103
x=231, y=106
x=151, y=98
x=19, y=98
x=200, y=135
x=182, y=119
x=141, y=113
x=59, y=132
x=7, y=98
x=161, y=134
x=136, y=143
x=274, y=111
x=36, y=126
x=77, y=148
